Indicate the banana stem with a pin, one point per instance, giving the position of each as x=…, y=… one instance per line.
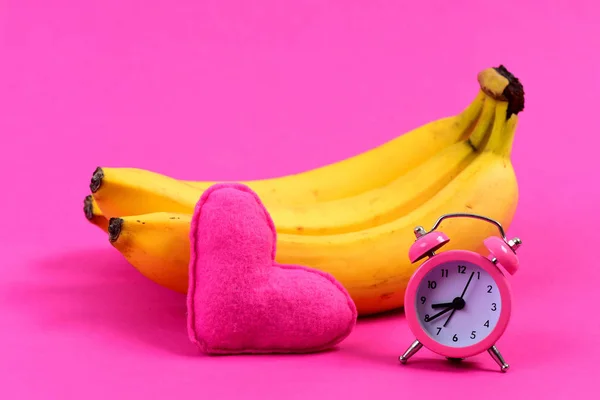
x=504, y=145
x=470, y=118
x=498, y=142
x=484, y=126
x=507, y=99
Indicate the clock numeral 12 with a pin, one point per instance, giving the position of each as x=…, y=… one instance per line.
x=462, y=269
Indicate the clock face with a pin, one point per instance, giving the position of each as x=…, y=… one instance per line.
x=453, y=320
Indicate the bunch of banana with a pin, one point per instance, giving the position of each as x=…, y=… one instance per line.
x=353, y=219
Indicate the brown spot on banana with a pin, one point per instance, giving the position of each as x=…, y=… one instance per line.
x=382, y=282
x=386, y=296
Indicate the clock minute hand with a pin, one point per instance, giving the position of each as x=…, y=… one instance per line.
x=468, y=283
x=439, y=314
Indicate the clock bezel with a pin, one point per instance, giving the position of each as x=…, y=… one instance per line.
x=410, y=302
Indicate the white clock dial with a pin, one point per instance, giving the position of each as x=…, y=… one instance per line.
x=453, y=320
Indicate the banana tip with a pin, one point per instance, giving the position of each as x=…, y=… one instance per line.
x=96, y=181
x=88, y=209
x=114, y=228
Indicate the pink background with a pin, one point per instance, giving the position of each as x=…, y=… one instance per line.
x=226, y=90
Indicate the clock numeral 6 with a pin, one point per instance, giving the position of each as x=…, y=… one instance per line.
x=473, y=334
x=455, y=338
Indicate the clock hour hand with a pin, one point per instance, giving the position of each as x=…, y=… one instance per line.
x=442, y=305
x=439, y=314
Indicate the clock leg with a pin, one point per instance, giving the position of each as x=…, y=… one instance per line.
x=411, y=351
x=498, y=358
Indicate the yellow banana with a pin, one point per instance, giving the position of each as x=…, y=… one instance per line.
x=113, y=187
x=156, y=244
x=372, y=264
x=93, y=214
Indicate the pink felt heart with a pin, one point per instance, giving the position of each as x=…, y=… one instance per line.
x=240, y=300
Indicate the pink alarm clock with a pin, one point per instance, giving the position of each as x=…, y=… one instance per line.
x=458, y=302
